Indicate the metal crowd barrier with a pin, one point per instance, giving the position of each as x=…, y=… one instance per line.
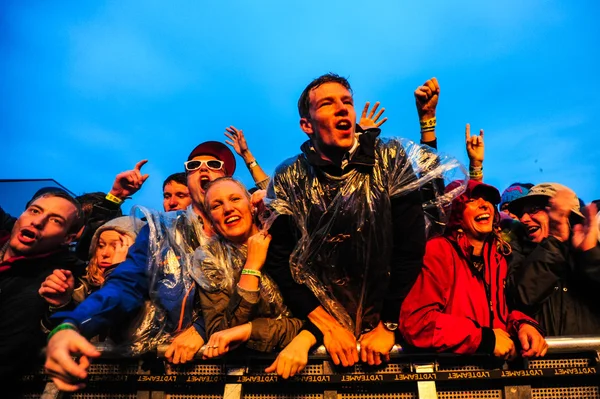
x=569, y=370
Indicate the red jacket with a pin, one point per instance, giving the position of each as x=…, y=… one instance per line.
x=449, y=307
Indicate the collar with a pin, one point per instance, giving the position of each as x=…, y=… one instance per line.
x=362, y=153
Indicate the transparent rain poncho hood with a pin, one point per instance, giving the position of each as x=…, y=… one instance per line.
x=345, y=223
x=173, y=237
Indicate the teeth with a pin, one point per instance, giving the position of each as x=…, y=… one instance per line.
x=232, y=219
x=483, y=216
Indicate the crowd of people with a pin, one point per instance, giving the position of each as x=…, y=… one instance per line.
x=357, y=243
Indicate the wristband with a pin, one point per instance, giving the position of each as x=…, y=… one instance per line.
x=60, y=327
x=251, y=272
x=475, y=168
x=114, y=199
x=429, y=123
x=252, y=164
x=427, y=129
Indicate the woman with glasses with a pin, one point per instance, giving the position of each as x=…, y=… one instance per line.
x=239, y=303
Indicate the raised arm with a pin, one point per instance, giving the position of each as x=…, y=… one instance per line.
x=238, y=142
x=426, y=99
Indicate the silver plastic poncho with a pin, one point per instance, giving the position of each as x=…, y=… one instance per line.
x=173, y=237
x=345, y=223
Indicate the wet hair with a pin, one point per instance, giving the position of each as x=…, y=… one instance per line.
x=220, y=180
x=78, y=222
x=304, y=100
x=180, y=178
x=88, y=200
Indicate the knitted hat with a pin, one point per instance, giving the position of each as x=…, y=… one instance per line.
x=514, y=191
x=543, y=191
x=217, y=150
x=124, y=225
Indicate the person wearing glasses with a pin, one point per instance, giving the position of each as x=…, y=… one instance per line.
x=171, y=242
x=556, y=277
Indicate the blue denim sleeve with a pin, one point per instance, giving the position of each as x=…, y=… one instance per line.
x=121, y=296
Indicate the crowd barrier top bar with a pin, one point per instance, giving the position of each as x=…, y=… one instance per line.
x=556, y=345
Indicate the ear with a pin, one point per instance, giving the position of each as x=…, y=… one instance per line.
x=306, y=126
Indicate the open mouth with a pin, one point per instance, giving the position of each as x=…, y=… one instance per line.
x=204, y=180
x=344, y=124
x=531, y=230
x=484, y=217
x=232, y=220
x=27, y=236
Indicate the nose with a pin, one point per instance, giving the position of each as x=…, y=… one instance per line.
x=38, y=221
x=227, y=207
x=482, y=203
x=525, y=218
x=172, y=202
x=341, y=108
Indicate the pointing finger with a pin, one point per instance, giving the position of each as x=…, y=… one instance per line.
x=139, y=165
x=468, y=132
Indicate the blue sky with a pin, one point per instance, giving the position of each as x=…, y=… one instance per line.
x=90, y=88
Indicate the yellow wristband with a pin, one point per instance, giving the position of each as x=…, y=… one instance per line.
x=114, y=199
x=428, y=123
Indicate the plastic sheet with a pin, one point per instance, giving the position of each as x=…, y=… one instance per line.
x=218, y=266
x=173, y=237
x=345, y=248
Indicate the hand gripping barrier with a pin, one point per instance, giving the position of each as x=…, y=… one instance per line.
x=569, y=370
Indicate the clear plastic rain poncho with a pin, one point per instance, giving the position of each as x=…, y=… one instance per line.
x=218, y=266
x=173, y=237
x=344, y=253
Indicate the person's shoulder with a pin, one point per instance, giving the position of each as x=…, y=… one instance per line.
x=289, y=163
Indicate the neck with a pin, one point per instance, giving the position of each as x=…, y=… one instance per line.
x=331, y=154
x=477, y=244
x=9, y=253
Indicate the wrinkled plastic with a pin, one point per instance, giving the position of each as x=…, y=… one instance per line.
x=218, y=266
x=173, y=237
x=345, y=248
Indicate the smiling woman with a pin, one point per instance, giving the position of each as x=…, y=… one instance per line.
x=239, y=303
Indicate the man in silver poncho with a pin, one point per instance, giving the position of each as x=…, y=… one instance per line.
x=349, y=241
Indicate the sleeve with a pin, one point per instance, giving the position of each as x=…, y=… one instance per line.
x=532, y=278
x=298, y=297
x=517, y=318
x=269, y=335
x=587, y=264
x=101, y=213
x=423, y=322
x=222, y=310
x=408, y=223
x=121, y=296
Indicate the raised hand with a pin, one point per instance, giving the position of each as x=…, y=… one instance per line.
x=371, y=120
x=475, y=147
x=258, y=245
x=58, y=287
x=129, y=182
x=558, y=212
x=426, y=98
x=585, y=236
x=237, y=140
x=121, y=248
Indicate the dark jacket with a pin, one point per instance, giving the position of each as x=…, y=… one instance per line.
x=455, y=307
x=346, y=233
x=22, y=308
x=558, y=286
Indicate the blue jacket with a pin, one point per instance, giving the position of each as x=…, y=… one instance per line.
x=122, y=295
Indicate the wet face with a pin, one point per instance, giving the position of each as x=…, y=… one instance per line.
x=536, y=221
x=230, y=211
x=199, y=178
x=108, y=243
x=332, y=118
x=478, y=218
x=176, y=197
x=43, y=227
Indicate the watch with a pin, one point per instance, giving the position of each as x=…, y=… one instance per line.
x=390, y=326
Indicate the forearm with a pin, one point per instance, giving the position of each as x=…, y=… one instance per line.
x=269, y=335
x=258, y=174
x=222, y=311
